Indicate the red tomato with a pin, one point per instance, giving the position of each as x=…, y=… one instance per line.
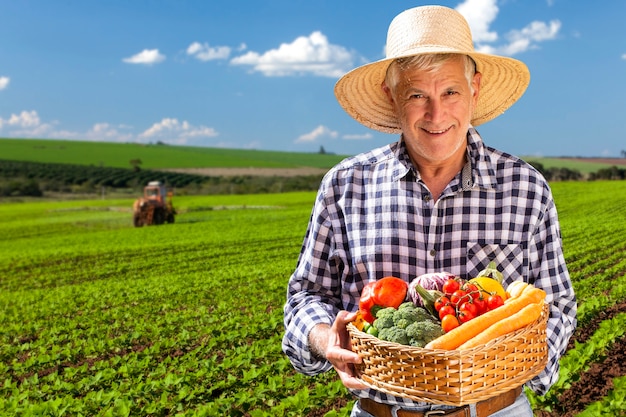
x=440, y=302
x=470, y=307
x=472, y=290
x=458, y=297
x=465, y=316
x=481, y=305
x=446, y=310
x=450, y=286
x=449, y=322
x=494, y=301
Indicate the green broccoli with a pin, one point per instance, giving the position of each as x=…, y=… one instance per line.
x=407, y=305
x=389, y=312
x=384, y=318
x=422, y=332
x=407, y=325
x=393, y=334
x=412, y=313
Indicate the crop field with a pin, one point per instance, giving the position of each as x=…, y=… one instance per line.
x=153, y=156
x=98, y=318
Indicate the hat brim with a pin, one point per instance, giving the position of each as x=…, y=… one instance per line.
x=504, y=80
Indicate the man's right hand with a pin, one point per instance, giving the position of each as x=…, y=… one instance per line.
x=333, y=343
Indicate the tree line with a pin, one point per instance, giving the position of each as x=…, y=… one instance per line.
x=19, y=178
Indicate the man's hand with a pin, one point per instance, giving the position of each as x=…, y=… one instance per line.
x=333, y=343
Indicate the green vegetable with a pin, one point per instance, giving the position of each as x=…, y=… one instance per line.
x=492, y=272
x=412, y=313
x=422, y=332
x=370, y=329
x=384, y=318
x=394, y=334
x=428, y=297
x=407, y=325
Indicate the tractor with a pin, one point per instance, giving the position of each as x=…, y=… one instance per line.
x=155, y=207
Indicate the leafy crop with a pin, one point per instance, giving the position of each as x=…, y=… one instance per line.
x=100, y=318
x=119, y=155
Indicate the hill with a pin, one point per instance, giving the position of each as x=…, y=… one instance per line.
x=156, y=156
x=215, y=161
x=583, y=165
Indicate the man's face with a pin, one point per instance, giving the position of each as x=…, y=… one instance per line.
x=434, y=109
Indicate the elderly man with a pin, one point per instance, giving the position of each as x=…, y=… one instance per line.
x=437, y=199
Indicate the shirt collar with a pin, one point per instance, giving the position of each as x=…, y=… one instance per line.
x=478, y=171
x=482, y=169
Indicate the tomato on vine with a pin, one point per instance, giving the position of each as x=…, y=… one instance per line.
x=465, y=316
x=446, y=310
x=450, y=286
x=481, y=305
x=458, y=297
x=494, y=301
x=472, y=290
x=440, y=302
x=449, y=322
x=470, y=307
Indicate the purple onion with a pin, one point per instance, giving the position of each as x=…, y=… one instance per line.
x=432, y=281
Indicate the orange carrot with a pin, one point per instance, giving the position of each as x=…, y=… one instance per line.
x=522, y=318
x=456, y=337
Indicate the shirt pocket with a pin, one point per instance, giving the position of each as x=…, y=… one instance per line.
x=509, y=259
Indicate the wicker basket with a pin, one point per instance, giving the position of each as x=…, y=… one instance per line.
x=452, y=377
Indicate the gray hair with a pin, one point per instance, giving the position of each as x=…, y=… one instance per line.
x=429, y=63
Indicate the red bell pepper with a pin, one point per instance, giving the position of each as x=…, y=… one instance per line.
x=386, y=292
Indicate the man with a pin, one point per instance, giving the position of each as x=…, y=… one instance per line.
x=438, y=199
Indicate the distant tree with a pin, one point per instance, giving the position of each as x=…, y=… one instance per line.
x=135, y=163
x=623, y=153
x=322, y=151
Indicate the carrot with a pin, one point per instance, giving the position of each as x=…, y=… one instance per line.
x=456, y=337
x=522, y=318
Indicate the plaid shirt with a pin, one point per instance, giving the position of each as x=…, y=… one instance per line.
x=374, y=217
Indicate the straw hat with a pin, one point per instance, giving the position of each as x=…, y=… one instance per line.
x=430, y=30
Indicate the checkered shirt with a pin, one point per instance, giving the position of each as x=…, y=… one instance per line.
x=374, y=217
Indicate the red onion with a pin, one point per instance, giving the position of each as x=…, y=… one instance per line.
x=432, y=281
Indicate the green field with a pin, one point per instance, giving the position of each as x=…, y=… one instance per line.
x=100, y=318
x=155, y=156
x=581, y=165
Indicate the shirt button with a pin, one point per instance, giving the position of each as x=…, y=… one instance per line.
x=433, y=252
x=427, y=197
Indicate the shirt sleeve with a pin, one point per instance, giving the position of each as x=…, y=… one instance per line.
x=550, y=273
x=314, y=293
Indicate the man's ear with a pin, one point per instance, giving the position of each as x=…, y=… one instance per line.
x=476, y=85
x=387, y=92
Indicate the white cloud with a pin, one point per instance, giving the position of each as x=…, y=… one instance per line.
x=25, y=124
x=522, y=40
x=146, y=57
x=25, y=119
x=204, y=52
x=311, y=54
x=320, y=131
x=172, y=131
x=363, y=136
x=480, y=14
x=624, y=56
x=28, y=124
x=4, y=82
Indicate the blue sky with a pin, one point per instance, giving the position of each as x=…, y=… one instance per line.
x=260, y=74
